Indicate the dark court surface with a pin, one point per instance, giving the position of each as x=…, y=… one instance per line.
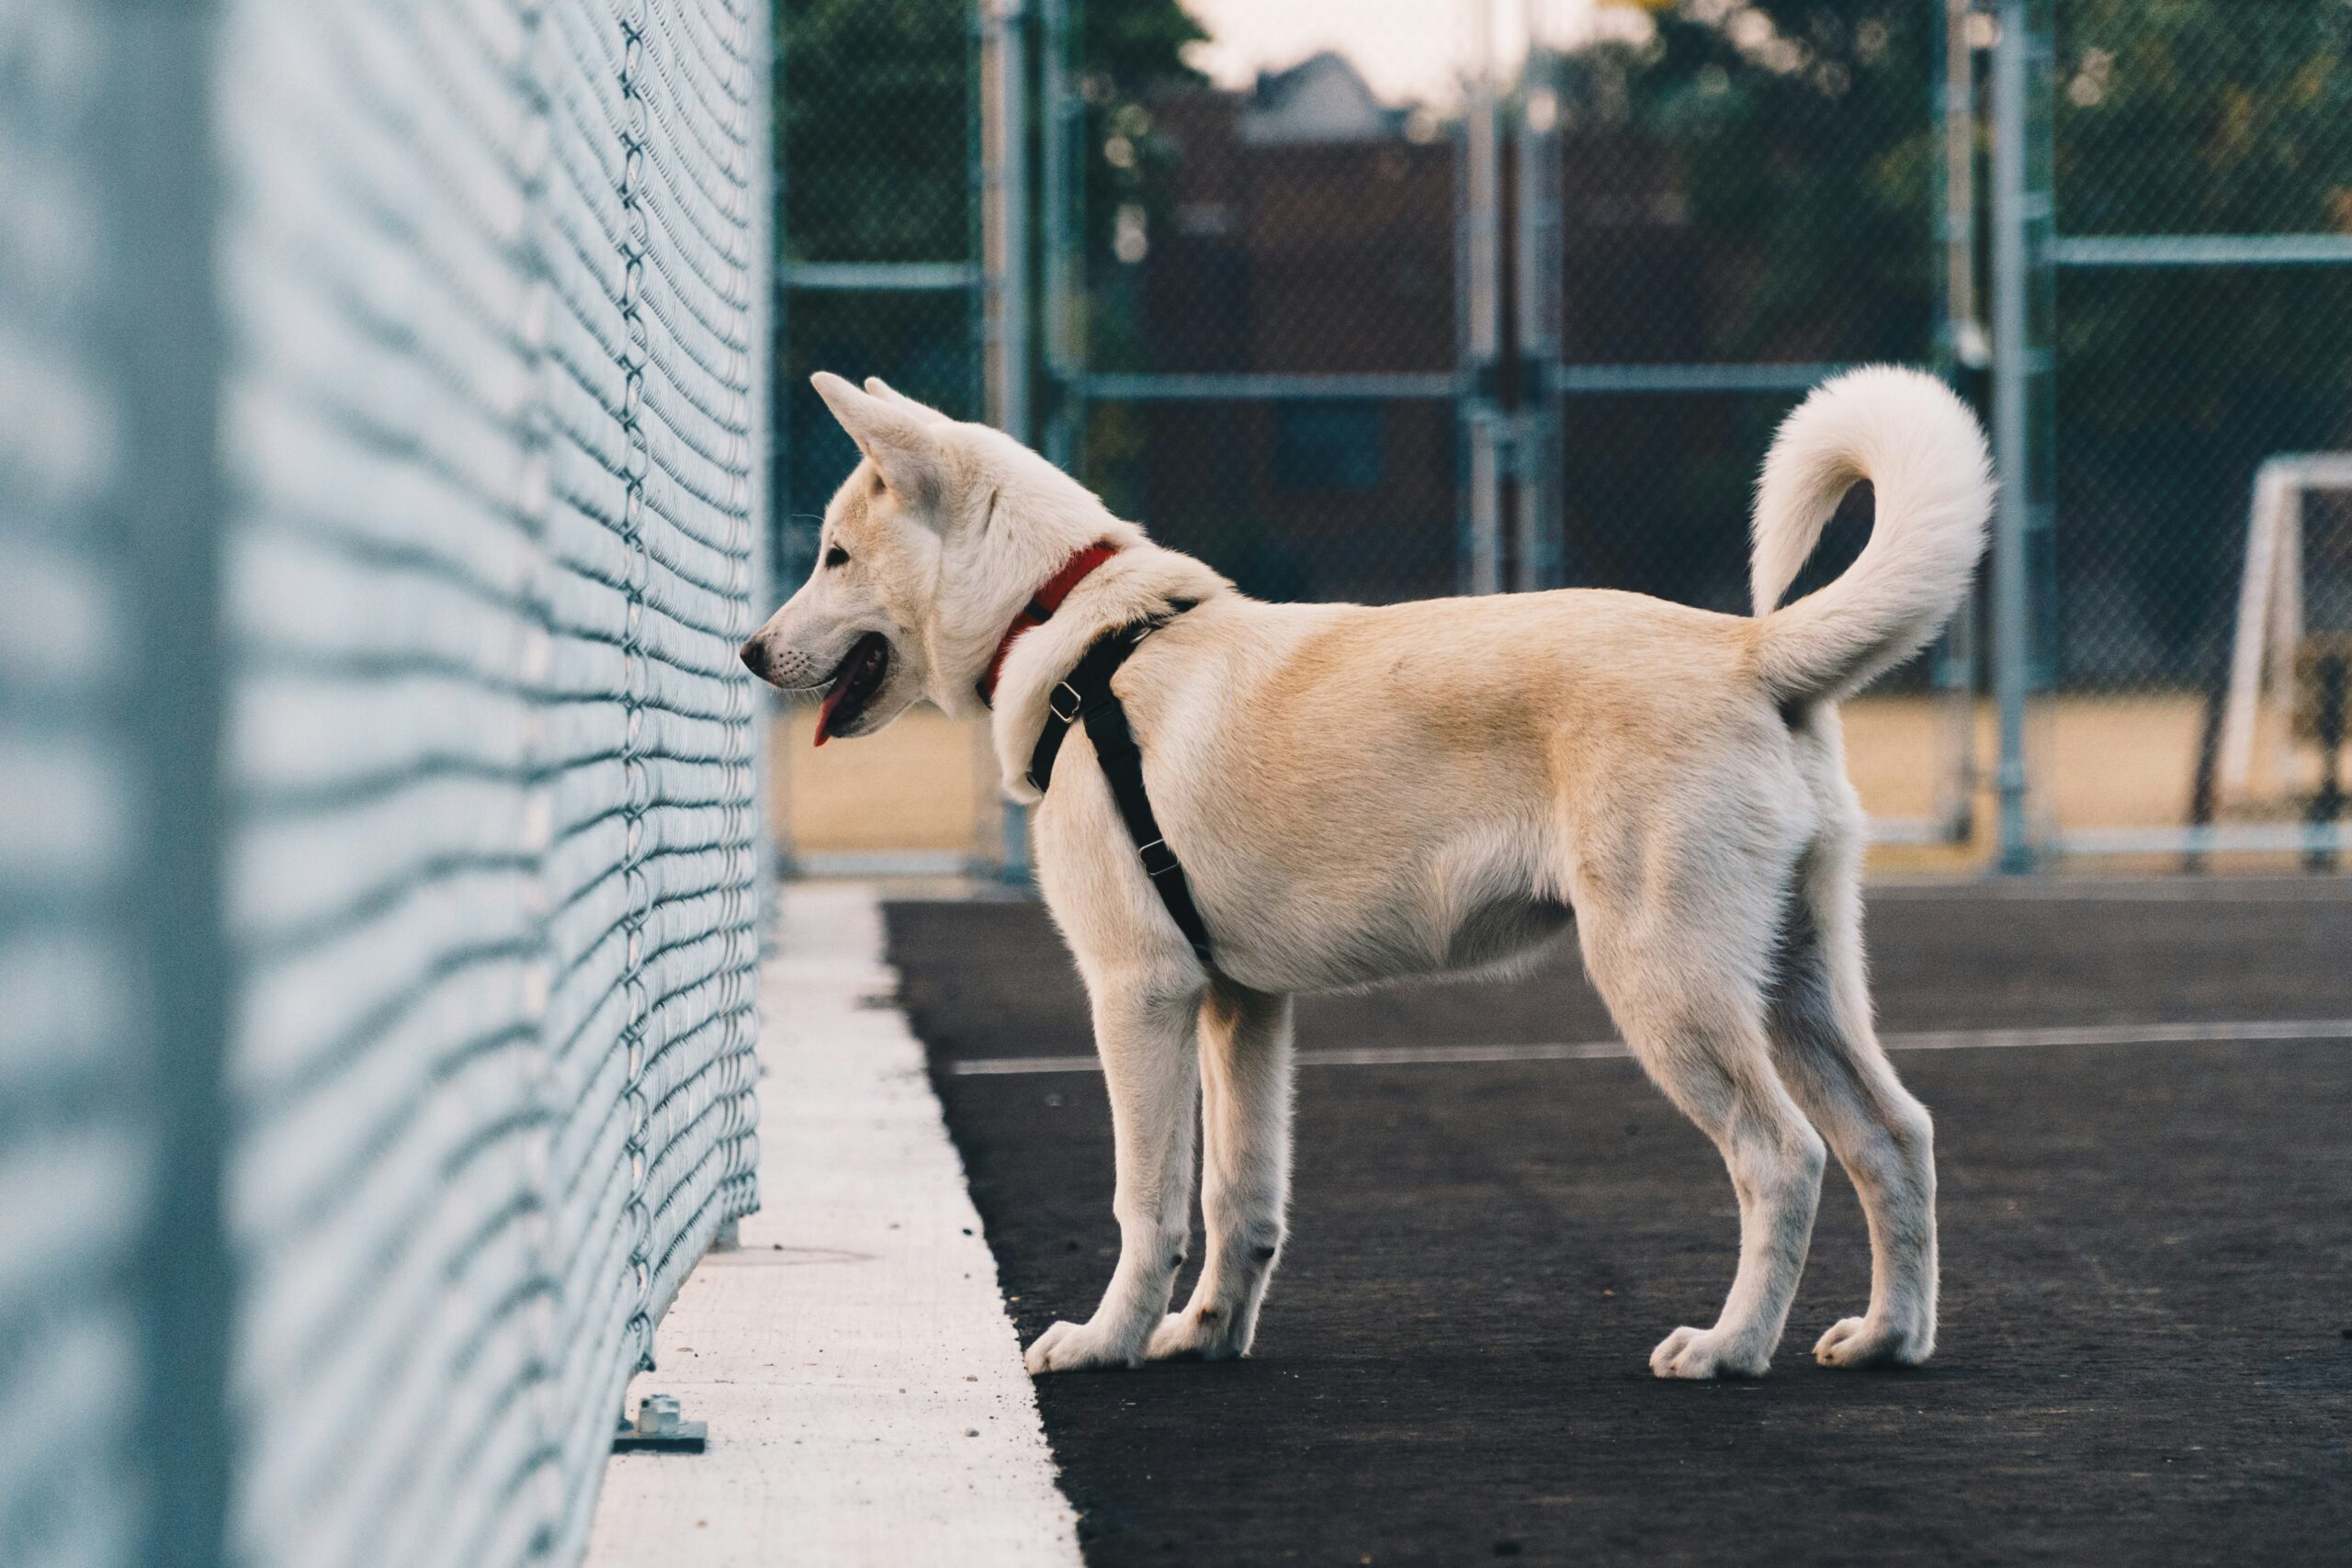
x=2146, y=1348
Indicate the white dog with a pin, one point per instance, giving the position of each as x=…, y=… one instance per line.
x=1355, y=794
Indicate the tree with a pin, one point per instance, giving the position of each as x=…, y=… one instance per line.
x=1801, y=138
x=874, y=127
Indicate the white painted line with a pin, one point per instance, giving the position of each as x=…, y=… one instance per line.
x=862, y=1382
x=1602, y=1050
x=2168, y=889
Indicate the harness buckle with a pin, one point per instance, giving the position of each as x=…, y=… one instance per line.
x=1161, y=864
x=1054, y=704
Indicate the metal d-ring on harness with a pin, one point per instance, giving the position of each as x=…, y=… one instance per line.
x=1084, y=694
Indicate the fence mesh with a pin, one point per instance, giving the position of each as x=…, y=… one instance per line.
x=77, y=1028
x=1531, y=319
x=879, y=276
x=489, y=277
x=1268, y=348
x=2202, y=158
x=1746, y=203
x=874, y=127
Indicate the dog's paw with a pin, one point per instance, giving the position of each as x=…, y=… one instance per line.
x=1860, y=1342
x=1701, y=1353
x=1076, y=1348
x=1193, y=1335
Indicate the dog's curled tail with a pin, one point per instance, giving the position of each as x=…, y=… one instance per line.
x=1924, y=454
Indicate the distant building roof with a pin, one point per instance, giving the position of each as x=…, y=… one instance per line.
x=1322, y=98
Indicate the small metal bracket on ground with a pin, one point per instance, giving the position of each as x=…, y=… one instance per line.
x=659, y=1429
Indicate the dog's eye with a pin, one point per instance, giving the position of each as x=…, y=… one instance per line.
x=837, y=556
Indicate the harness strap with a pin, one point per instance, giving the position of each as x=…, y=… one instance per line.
x=1085, y=695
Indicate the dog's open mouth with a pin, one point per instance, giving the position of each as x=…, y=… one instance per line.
x=855, y=680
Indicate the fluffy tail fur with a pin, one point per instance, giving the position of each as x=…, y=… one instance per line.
x=1924, y=454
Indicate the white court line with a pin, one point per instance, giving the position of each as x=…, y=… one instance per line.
x=2169, y=889
x=863, y=1384
x=1602, y=1050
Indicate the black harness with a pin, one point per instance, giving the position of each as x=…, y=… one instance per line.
x=1084, y=694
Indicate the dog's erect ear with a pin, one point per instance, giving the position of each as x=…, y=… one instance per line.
x=891, y=395
x=899, y=444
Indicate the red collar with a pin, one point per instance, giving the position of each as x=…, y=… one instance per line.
x=1042, y=605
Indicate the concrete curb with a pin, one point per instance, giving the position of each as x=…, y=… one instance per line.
x=862, y=1382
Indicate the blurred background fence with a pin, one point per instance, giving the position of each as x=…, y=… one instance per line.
x=380, y=392
x=1526, y=314
x=2194, y=164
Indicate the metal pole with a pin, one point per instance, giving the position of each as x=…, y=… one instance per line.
x=1004, y=259
x=1481, y=295
x=775, y=771
x=158, y=188
x=1061, y=133
x=1537, y=286
x=1963, y=333
x=2012, y=426
x=1004, y=216
x=1965, y=354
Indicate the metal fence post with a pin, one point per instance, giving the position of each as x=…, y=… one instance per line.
x=1964, y=354
x=1542, y=521
x=2021, y=224
x=1061, y=131
x=164, y=345
x=1481, y=296
x=776, y=774
x=1004, y=290
x=1004, y=216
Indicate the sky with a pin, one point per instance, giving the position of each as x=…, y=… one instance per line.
x=1408, y=50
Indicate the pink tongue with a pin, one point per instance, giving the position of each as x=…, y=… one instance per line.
x=833, y=699
x=825, y=711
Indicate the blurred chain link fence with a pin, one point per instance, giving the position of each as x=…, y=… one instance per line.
x=1537, y=329
x=377, y=527
x=104, y=1355
x=2200, y=164
x=878, y=274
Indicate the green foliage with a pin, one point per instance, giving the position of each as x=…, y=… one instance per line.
x=2191, y=117
x=875, y=116
x=1802, y=134
x=1129, y=49
x=875, y=119
x=876, y=122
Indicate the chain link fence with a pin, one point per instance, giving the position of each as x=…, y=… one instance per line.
x=1532, y=324
x=377, y=527
x=1529, y=327
x=102, y=1361
x=1265, y=359
x=878, y=273
x=2200, y=170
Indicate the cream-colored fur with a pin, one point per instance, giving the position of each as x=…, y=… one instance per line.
x=1360, y=793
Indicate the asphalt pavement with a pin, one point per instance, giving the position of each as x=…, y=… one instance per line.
x=2146, y=1345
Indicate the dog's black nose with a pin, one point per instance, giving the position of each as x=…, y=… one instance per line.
x=755, y=657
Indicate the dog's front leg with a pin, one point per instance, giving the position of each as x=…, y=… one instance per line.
x=1145, y=1034
x=1245, y=1171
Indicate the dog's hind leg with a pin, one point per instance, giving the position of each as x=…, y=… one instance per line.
x=1245, y=1170
x=1683, y=973
x=1146, y=1038
x=1828, y=1055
